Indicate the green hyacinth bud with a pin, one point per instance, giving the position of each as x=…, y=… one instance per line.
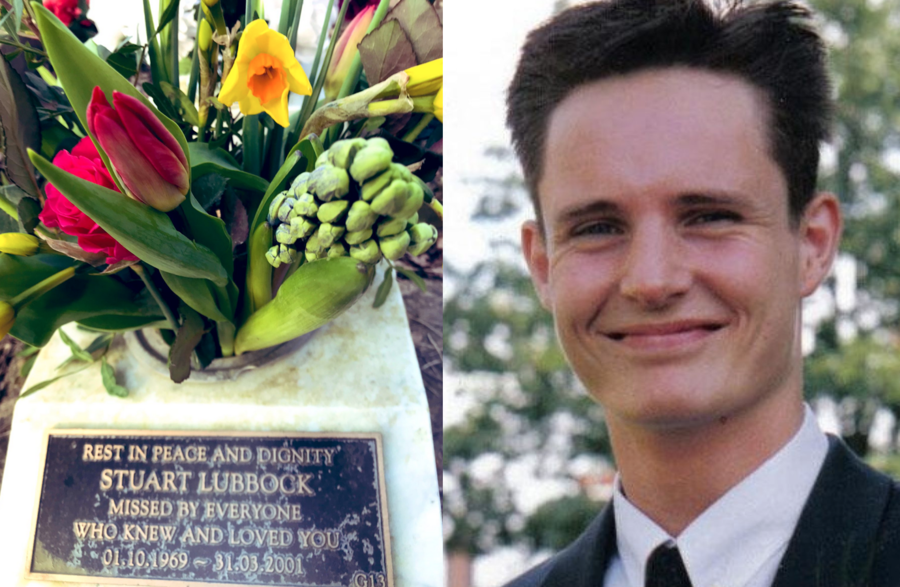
x=284, y=234
x=286, y=254
x=343, y=152
x=413, y=202
x=285, y=210
x=391, y=226
x=356, y=237
x=374, y=158
x=329, y=182
x=306, y=205
x=324, y=159
x=367, y=252
x=379, y=142
x=273, y=208
x=373, y=187
x=303, y=227
x=298, y=186
x=333, y=212
x=391, y=199
x=423, y=232
x=416, y=249
x=272, y=257
x=393, y=247
x=313, y=245
x=412, y=220
x=360, y=217
x=329, y=233
x=336, y=250
x=402, y=172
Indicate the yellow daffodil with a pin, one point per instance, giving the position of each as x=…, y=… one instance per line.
x=425, y=79
x=439, y=105
x=16, y=243
x=263, y=73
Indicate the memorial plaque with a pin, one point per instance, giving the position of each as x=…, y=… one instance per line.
x=184, y=508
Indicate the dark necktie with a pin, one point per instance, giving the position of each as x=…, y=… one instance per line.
x=666, y=569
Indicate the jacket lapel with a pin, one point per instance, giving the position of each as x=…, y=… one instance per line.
x=583, y=563
x=834, y=542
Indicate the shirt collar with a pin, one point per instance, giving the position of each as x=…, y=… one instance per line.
x=736, y=536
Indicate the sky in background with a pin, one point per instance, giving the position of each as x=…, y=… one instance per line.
x=481, y=41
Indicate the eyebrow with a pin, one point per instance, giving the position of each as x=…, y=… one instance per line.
x=686, y=200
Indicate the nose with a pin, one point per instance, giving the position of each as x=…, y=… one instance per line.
x=656, y=272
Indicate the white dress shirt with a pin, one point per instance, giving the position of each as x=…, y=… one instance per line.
x=740, y=539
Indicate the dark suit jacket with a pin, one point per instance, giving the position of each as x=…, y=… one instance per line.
x=848, y=535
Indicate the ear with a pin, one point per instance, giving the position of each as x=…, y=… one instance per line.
x=534, y=248
x=820, y=233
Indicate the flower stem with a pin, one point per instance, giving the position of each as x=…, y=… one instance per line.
x=420, y=126
x=42, y=287
x=23, y=47
x=139, y=269
x=437, y=207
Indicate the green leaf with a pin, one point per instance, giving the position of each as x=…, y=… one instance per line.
x=8, y=223
x=157, y=67
x=80, y=70
x=77, y=352
x=115, y=323
x=160, y=99
x=208, y=189
x=423, y=27
x=18, y=7
x=181, y=103
x=29, y=351
x=197, y=294
x=125, y=59
x=384, y=289
x=167, y=15
x=385, y=51
x=189, y=334
x=414, y=277
x=309, y=152
x=28, y=211
x=206, y=160
x=146, y=232
x=108, y=375
x=43, y=384
x=211, y=232
x=80, y=298
x=21, y=126
x=26, y=367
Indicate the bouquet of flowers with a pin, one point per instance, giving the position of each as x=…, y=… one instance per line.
x=202, y=204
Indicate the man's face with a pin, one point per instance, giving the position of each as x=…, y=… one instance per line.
x=668, y=258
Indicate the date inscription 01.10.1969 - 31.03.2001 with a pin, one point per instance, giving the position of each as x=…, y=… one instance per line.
x=223, y=508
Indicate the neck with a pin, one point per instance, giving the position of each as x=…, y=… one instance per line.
x=674, y=475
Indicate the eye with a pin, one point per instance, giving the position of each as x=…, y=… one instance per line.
x=714, y=217
x=597, y=228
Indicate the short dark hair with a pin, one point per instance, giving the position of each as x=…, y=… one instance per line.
x=772, y=45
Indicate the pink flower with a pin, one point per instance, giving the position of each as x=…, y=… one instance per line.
x=84, y=161
x=145, y=155
x=65, y=10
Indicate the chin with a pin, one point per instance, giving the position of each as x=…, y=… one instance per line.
x=669, y=405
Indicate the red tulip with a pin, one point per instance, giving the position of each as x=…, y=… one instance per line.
x=143, y=152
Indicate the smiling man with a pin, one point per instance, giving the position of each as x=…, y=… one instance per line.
x=671, y=150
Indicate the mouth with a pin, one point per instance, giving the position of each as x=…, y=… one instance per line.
x=663, y=336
